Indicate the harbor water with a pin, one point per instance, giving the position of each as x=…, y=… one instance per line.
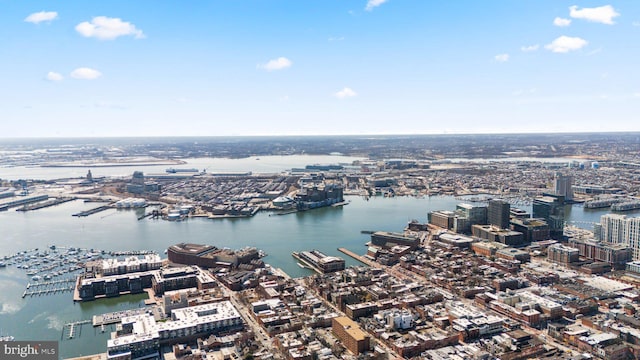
x=325, y=229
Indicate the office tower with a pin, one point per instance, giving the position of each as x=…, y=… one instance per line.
x=475, y=214
x=563, y=186
x=498, y=213
x=550, y=207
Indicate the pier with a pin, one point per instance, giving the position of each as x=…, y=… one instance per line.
x=74, y=329
x=131, y=252
x=50, y=283
x=49, y=287
x=92, y=211
x=360, y=258
x=46, y=204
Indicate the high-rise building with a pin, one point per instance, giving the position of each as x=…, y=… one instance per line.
x=475, y=214
x=550, y=207
x=498, y=213
x=563, y=186
x=612, y=228
x=619, y=229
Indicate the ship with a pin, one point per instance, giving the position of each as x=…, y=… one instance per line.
x=174, y=170
x=7, y=338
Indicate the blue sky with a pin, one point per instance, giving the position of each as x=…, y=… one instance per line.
x=291, y=67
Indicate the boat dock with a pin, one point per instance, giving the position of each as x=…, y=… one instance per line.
x=73, y=329
x=92, y=211
x=50, y=283
x=49, y=287
x=50, y=291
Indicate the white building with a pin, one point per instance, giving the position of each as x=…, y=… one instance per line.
x=140, y=336
x=619, y=229
x=131, y=264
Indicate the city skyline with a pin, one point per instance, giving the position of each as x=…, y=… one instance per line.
x=362, y=67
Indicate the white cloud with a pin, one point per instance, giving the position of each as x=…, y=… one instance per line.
x=501, y=57
x=564, y=44
x=636, y=94
x=602, y=14
x=374, y=3
x=85, y=74
x=338, y=38
x=558, y=21
x=530, y=48
x=345, y=93
x=106, y=28
x=41, y=16
x=636, y=23
x=276, y=64
x=54, y=76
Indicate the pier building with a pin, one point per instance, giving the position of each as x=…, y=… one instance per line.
x=130, y=283
x=208, y=256
x=320, y=262
x=130, y=264
x=140, y=336
x=388, y=240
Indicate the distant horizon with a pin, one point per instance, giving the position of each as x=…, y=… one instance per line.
x=321, y=135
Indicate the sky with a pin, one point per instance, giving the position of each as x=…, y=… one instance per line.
x=292, y=67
